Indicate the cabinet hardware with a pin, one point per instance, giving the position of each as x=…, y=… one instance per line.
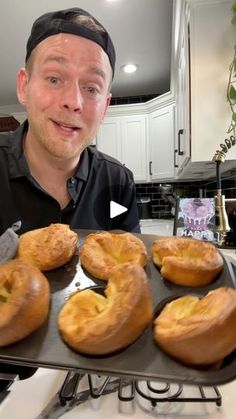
x=150, y=168
x=175, y=163
x=181, y=131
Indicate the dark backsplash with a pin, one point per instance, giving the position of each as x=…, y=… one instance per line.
x=159, y=207
x=228, y=187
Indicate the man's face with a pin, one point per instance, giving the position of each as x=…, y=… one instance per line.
x=66, y=93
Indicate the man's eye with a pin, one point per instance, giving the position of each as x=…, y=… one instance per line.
x=53, y=80
x=92, y=90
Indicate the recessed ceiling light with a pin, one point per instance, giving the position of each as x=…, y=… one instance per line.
x=129, y=68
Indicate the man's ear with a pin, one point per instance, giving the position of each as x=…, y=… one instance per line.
x=108, y=101
x=22, y=84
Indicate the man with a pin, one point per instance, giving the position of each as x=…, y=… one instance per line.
x=49, y=172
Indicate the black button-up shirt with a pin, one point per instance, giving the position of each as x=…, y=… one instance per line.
x=98, y=180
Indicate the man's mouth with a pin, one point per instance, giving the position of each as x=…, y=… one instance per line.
x=66, y=127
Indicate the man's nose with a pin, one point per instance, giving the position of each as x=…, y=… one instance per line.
x=72, y=98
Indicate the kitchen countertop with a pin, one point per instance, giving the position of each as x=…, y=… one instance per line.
x=27, y=399
x=157, y=226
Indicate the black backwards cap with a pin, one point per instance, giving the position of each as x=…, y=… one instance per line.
x=75, y=21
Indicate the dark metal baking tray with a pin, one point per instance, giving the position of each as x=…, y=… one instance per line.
x=141, y=360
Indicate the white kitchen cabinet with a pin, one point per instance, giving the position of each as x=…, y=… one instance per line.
x=109, y=137
x=205, y=51
x=134, y=145
x=125, y=138
x=161, y=138
x=182, y=128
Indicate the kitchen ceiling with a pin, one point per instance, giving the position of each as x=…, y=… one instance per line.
x=141, y=31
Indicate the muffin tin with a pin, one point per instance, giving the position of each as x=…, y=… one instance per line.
x=141, y=360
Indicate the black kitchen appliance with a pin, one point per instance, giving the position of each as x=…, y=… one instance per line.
x=144, y=207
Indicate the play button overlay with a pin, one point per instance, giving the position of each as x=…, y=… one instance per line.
x=116, y=209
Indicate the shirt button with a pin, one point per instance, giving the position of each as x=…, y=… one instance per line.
x=72, y=180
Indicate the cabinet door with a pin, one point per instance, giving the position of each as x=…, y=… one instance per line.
x=161, y=135
x=182, y=132
x=212, y=49
x=134, y=145
x=109, y=137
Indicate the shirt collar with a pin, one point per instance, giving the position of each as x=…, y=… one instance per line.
x=83, y=168
x=17, y=162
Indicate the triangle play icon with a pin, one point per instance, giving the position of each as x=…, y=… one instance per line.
x=116, y=209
